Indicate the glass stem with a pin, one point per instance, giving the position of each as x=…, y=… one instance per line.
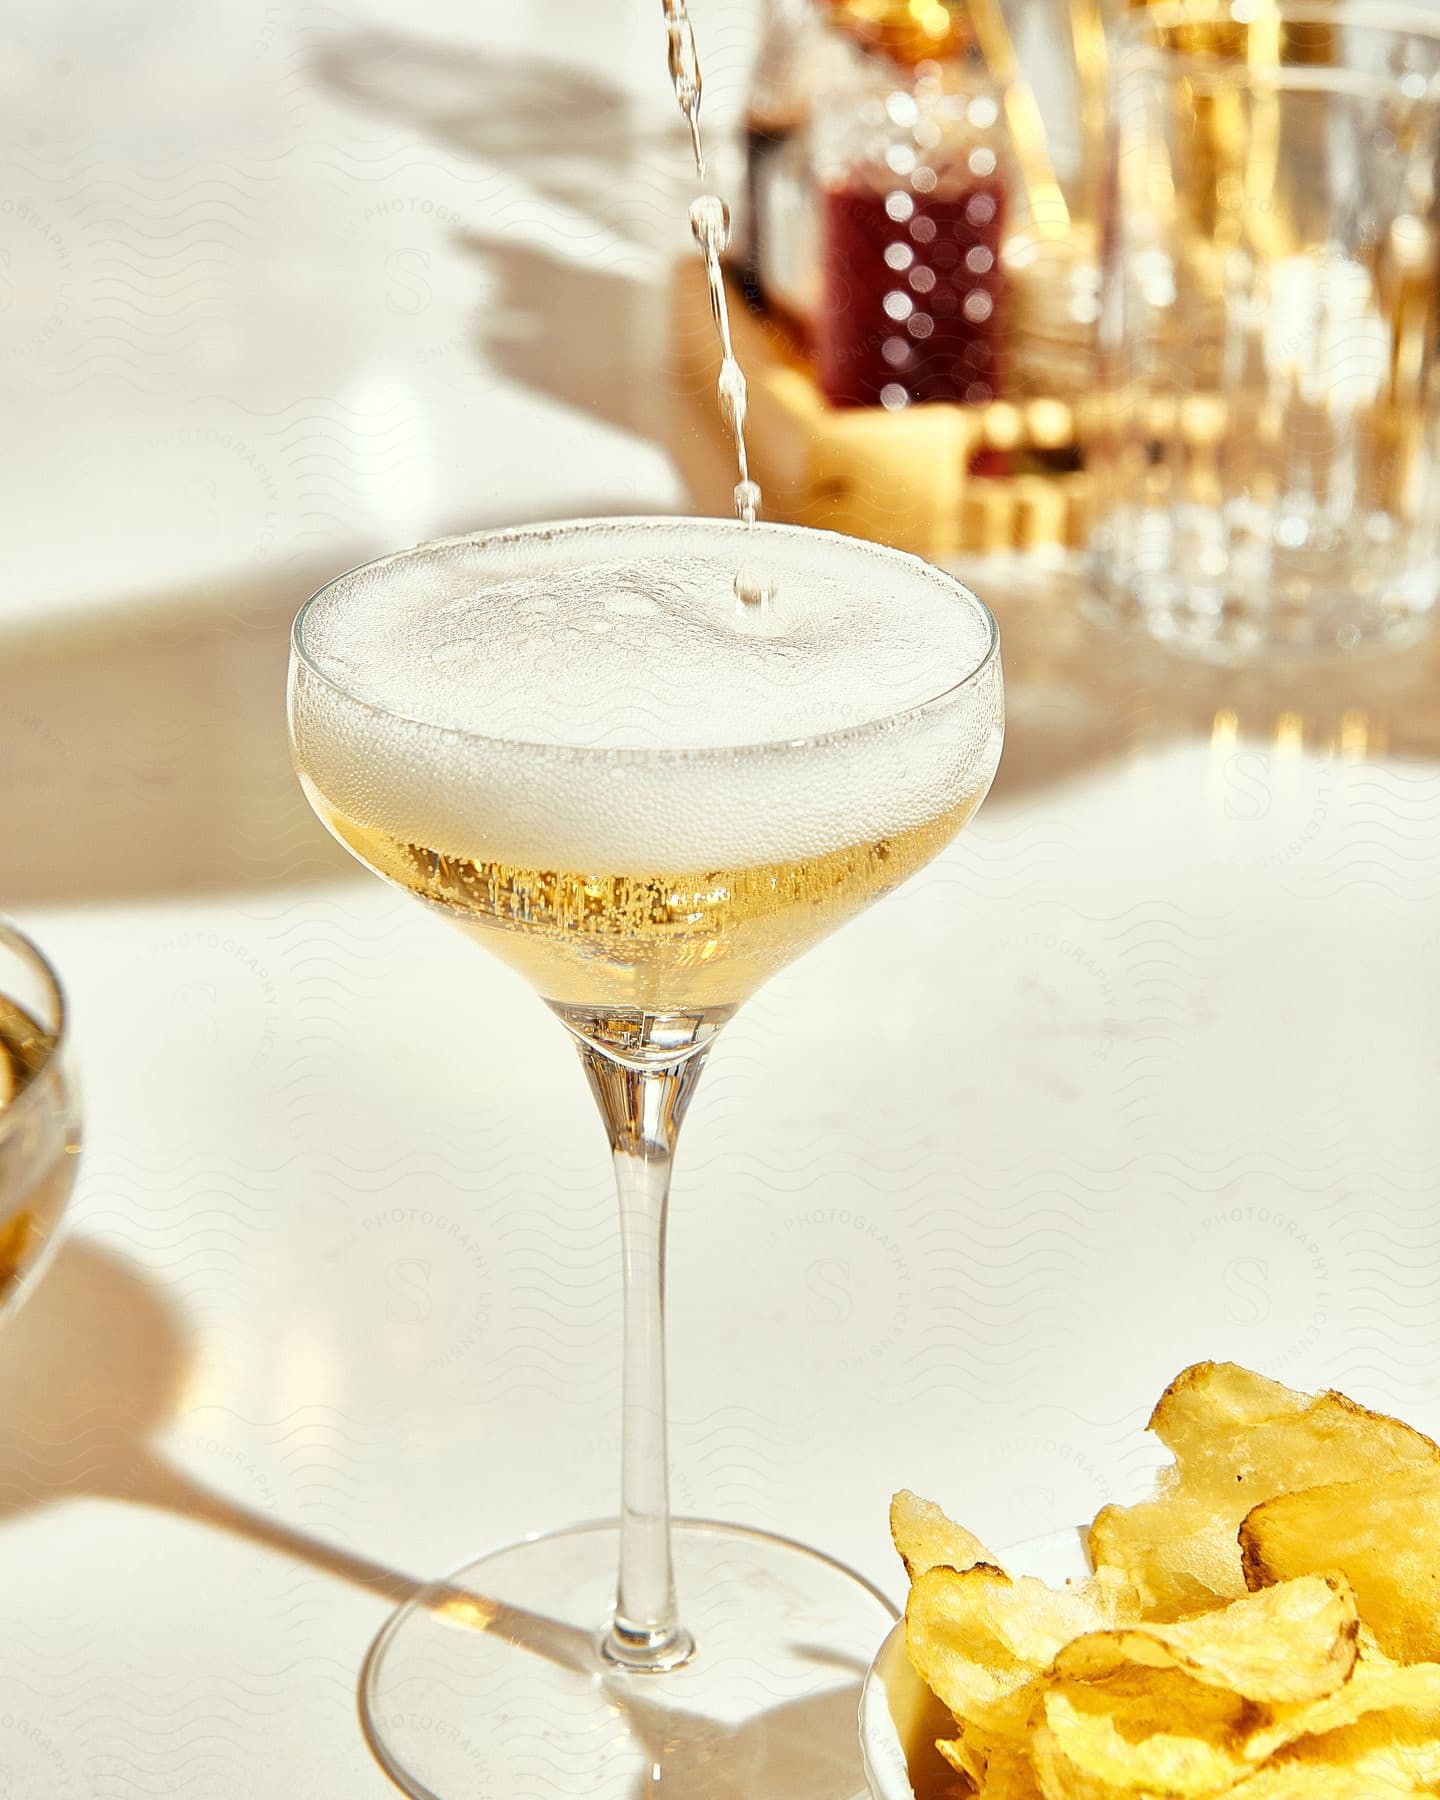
x=642, y=1110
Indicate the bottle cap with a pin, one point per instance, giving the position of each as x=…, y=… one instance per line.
x=907, y=31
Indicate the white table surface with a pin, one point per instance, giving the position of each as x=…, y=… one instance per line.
x=1142, y=1070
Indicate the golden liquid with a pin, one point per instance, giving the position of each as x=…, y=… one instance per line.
x=35, y=1175
x=696, y=941
x=25, y=1047
x=1237, y=181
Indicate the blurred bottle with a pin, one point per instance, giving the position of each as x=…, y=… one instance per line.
x=778, y=252
x=914, y=166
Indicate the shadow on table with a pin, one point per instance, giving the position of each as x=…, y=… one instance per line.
x=143, y=749
x=93, y=1367
x=591, y=328
x=142, y=745
x=568, y=134
x=800, y=1750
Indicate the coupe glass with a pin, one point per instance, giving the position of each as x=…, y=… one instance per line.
x=646, y=795
x=39, y=1114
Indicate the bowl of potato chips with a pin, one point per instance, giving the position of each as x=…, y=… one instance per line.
x=1265, y=1627
x=901, y=1721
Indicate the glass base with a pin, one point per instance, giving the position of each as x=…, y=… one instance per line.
x=495, y=1682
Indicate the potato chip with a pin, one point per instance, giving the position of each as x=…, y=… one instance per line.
x=927, y=1539
x=1376, y=1685
x=1384, y=1746
x=993, y=1765
x=1384, y=1722
x=1009, y=1775
x=1393, y=1749
x=1141, y=1732
x=1012, y=1777
x=963, y=1757
x=1238, y=1440
x=1383, y=1536
x=1291, y=1643
x=1319, y=1781
x=1206, y=1656
x=979, y=1638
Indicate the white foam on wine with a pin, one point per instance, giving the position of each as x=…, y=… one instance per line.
x=589, y=696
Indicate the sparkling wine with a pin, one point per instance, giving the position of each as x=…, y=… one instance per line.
x=694, y=941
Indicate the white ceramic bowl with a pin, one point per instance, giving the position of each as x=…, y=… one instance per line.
x=900, y=1718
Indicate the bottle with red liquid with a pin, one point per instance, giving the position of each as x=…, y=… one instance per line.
x=915, y=178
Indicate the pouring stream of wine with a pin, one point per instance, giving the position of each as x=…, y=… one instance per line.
x=710, y=223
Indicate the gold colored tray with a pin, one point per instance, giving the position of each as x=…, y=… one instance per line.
x=902, y=478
